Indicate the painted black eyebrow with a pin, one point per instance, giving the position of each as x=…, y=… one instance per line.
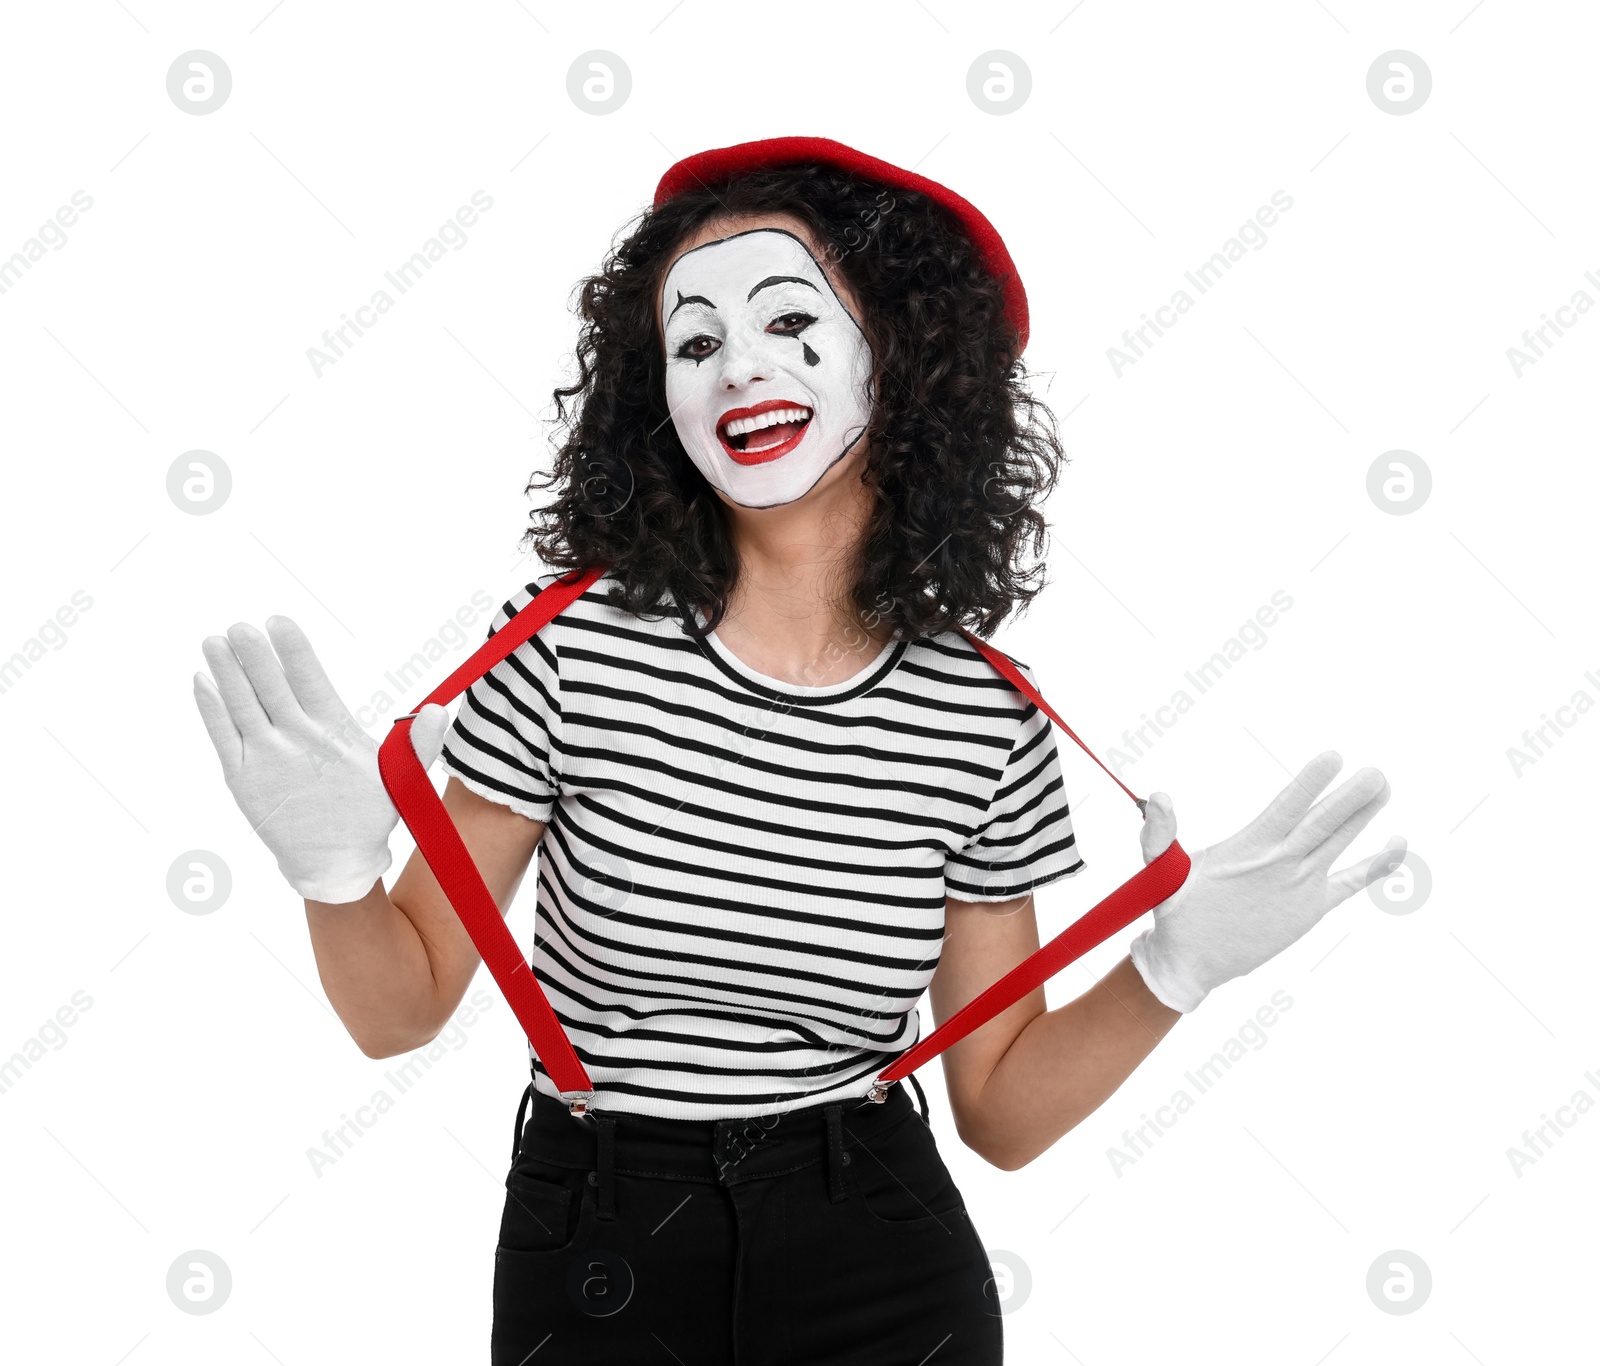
x=694, y=299
x=780, y=280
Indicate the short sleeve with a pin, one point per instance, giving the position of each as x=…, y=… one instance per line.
x=505, y=744
x=1025, y=838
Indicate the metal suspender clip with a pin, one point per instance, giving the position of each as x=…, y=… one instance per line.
x=878, y=1092
x=578, y=1103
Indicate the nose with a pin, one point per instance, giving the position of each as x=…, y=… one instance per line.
x=742, y=363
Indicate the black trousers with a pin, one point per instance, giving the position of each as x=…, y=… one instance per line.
x=831, y=1234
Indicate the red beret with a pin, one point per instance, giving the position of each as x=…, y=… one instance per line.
x=720, y=164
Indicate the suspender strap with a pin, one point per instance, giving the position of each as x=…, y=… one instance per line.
x=411, y=790
x=1017, y=679
x=1144, y=890
x=440, y=844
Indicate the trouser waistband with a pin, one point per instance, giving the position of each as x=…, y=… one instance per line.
x=721, y=1151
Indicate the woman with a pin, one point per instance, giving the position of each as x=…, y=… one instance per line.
x=776, y=792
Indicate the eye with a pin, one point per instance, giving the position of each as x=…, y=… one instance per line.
x=790, y=324
x=697, y=348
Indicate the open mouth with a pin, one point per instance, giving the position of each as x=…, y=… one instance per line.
x=752, y=436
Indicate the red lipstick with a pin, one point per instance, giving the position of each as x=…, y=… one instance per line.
x=777, y=449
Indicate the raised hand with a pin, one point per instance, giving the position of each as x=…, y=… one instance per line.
x=1251, y=896
x=302, y=770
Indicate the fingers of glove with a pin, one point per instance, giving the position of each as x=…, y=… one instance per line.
x=1160, y=826
x=1341, y=814
x=1374, y=868
x=306, y=677
x=266, y=677
x=1285, y=810
x=428, y=732
x=1341, y=839
x=219, y=724
x=233, y=685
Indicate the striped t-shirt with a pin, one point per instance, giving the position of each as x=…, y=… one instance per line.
x=742, y=881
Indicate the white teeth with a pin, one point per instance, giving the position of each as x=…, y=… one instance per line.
x=745, y=425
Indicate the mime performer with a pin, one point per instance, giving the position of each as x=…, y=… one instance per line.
x=775, y=794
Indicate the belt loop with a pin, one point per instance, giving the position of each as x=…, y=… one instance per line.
x=522, y=1113
x=922, y=1100
x=606, y=1162
x=835, y=1121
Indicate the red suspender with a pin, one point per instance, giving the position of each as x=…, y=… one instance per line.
x=412, y=792
x=1144, y=890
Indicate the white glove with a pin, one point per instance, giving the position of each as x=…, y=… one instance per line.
x=1250, y=897
x=303, y=771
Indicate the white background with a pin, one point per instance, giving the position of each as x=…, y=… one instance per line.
x=1229, y=462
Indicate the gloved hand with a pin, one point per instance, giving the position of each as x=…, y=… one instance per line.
x=1251, y=896
x=303, y=771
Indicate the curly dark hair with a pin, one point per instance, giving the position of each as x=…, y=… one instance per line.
x=958, y=452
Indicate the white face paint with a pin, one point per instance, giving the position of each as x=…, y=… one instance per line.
x=768, y=375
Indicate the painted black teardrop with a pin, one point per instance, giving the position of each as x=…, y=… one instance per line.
x=812, y=358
